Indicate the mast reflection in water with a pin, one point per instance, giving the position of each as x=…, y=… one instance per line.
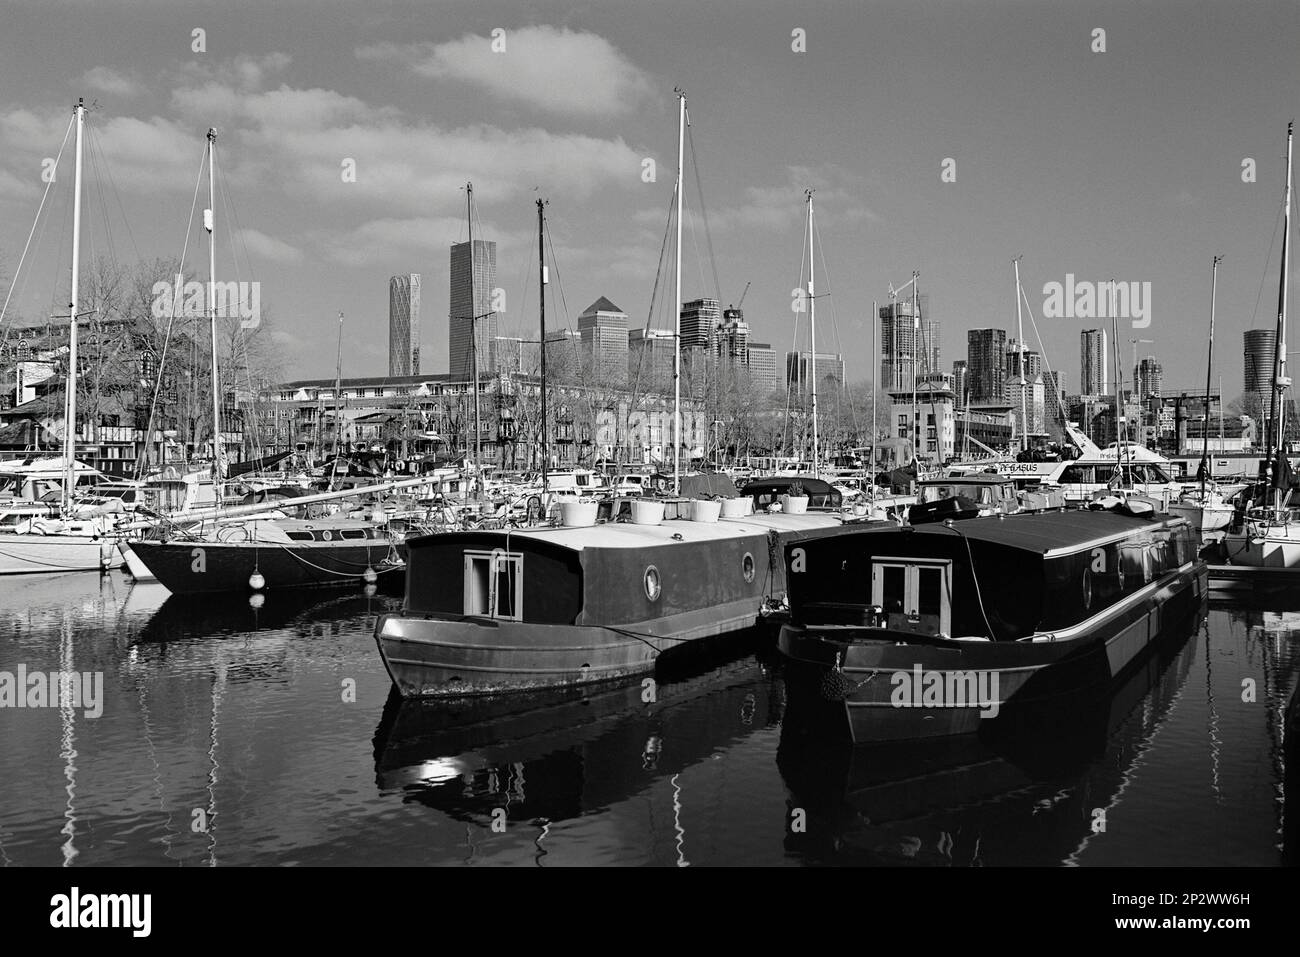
x=234, y=735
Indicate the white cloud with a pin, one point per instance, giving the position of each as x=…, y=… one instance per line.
x=269, y=249
x=558, y=70
x=144, y=155
x=106, y=80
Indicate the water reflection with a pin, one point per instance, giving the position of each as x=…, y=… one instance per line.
x=228, y=737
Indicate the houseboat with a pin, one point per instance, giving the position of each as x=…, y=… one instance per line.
x=516, y=610
x=929, y=630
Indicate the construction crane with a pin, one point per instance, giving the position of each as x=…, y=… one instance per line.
x=741, y=302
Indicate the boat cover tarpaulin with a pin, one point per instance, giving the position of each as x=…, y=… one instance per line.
x=256, y=465
x=707, y=484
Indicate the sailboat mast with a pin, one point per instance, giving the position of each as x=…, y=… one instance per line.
x=338, y=392
x=1209, y=371
x=812, y=330
x=1020, y=343
x=473, y=323
x=541, y=299
x=677, y=300
x=916, y=344
x=875, y=388
x=70, y=414
x=1280, y=380
x=209, y=217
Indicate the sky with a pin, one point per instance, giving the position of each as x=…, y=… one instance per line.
x=943, y=136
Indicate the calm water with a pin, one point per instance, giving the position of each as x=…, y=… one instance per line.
x=226, y=738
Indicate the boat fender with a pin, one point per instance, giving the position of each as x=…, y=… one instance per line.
x=835, y=685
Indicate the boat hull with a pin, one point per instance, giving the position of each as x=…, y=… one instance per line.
x=440, y=657
x=1203, y=518
x=889, y=687
x=41, y=554
x=199, y=567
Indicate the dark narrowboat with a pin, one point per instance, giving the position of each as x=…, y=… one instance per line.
x=506, y=611
x=929, y=630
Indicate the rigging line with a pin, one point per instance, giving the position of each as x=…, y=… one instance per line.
x=99, y=168
x=171, y=318
x=1060, y=405
x=117, y=194
x=704, y=212
x=1277, y=221
x=44, y=195
x=843, y=391
x=794, y=345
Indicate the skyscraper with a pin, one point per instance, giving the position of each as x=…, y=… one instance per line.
x=960, y=381
x=699, y=322
x=898, y=351
x=798, y=371
x=1093, y=362
x=986, y=365
x=404, y=324
x=471, y=307
x=603, y=330
x=762, y=366
x=1260, y=354
x=650, y=358
x=1149, y=376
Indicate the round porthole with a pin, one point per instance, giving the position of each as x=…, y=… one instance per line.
x=747, y=567
x=652, y=584
x=1087, y=589
x=326, y=535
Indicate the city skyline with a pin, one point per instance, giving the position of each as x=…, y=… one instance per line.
x=572, y=109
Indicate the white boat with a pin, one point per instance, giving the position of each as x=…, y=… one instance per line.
x=1205, y=512
x=42, y=545
x=1269, y=536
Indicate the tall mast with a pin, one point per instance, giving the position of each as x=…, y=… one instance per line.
x=473, y=323
x=1020, y=343
x=541, y=299
x=812, y=328
x=1280, y=380
x=1209, y=369
x=916, y=343
x=338, y=392
x=875, y=388
x=677, y=300
x=70, y=400
x=1121, y=446
x=209, y=216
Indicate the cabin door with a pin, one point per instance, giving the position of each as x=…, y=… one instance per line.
x=494, y=584
x=916, y=595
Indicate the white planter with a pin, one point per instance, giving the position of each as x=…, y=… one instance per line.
x=577, y=514
x=647, y=512
x=705, y=511
x=737, y=507
x=794, y=504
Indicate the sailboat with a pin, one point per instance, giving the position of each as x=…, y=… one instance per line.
x=548, y=606
x=66, y=543
x=1206, y=509
x=1268, y=535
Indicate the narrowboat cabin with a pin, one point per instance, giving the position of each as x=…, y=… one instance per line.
x=503, y=611
x=929, y=630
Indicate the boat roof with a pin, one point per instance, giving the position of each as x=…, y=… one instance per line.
x=974, y=478
x=1049, y=533
x=631, y=535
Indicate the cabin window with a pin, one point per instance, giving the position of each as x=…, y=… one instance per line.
x=353, y=533
x=916, y=595
x=299, y=536
x=1077, y=475
x=494, y=584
